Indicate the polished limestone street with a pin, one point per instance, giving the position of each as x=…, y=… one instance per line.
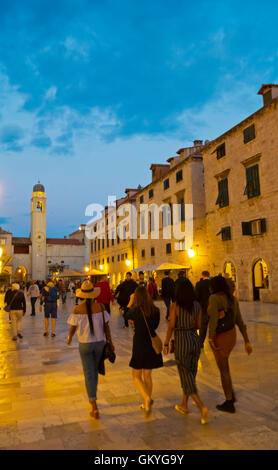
x=43, y=402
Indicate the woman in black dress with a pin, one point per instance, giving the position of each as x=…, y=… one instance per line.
x=144, y=358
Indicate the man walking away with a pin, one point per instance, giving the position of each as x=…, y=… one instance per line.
x=126, y=289
x=16, y=300
x=168, y=291
x=202, y=291
x=33, y=293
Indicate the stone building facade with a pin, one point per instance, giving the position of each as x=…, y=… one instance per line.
x=177, y=184
x=241, y=190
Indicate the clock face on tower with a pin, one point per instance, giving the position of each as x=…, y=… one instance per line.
x=39, y=237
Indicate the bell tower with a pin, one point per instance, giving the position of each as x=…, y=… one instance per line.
x=38, y=232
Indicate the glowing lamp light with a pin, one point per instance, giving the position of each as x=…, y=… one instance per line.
x=86, y=269
x=191, y=253
x=19, y=270
x=1, y=251
x=127, y=262
x=101, y=267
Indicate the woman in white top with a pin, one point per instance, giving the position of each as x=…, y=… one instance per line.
x=87, y=319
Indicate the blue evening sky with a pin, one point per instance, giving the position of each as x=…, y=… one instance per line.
x=92, y=92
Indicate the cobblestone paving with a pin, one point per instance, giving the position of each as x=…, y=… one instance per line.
x=43, y=402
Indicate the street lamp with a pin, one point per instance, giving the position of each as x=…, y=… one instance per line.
x=101, y=267
x=86, y=269
x=191, y=253
x=128, y=262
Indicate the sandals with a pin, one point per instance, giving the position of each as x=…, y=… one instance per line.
x=205, y=417
x=94, y=414
x=180, y=410
x=52, y=335
x=142, y=406
x=45, y=334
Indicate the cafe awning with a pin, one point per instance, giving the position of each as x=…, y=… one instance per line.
x=160, y=267
x=71, y=273
x=168, y=266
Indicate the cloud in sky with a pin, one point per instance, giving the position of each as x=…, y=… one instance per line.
x=87, y=95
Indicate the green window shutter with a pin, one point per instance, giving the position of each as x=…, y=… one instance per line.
x=226, y=233
x=246, y=228
x=256, y=180
x=223, y=194
x=220, y=195
x=263, y=225
x=253, y=181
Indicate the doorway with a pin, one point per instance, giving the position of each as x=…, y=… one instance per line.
x=260, y=278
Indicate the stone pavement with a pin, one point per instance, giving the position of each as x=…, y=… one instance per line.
x=43, y=402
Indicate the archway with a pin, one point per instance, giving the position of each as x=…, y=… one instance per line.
x=20, y=274
x=260, y=278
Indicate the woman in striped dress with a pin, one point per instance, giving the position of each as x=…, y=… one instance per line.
x=185, y=319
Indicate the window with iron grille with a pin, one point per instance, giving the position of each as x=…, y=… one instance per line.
x=252, y=188
x=166, y=184
x=152, y=251
x=143, y=253
x=141, y=199
x=249, y=133
x=168, y=248
x=150, y=193
x=223, y=194
x=179, y=176
x=103, y=243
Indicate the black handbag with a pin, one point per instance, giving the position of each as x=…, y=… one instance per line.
x=226, y=323
x=108, y=352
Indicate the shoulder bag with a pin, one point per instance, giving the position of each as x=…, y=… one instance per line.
x=108, y=352
x=226, y=323
x=156, y=341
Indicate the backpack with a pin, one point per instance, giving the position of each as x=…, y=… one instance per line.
x=52, y=295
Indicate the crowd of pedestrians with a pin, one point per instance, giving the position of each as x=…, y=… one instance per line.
x=210, y=308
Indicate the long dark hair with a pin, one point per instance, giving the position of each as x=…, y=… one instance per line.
x=219, y=284
x=185, y=294
x=89, y=315
x=143, y=300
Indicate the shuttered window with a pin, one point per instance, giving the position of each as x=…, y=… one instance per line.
x=223, y=194
x=249, y=133
x=166, y=184
x=181, y=209
x=179, y=176
x=221, y=151
x=252, y=188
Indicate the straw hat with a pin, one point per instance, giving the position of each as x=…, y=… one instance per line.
x=87, y=291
